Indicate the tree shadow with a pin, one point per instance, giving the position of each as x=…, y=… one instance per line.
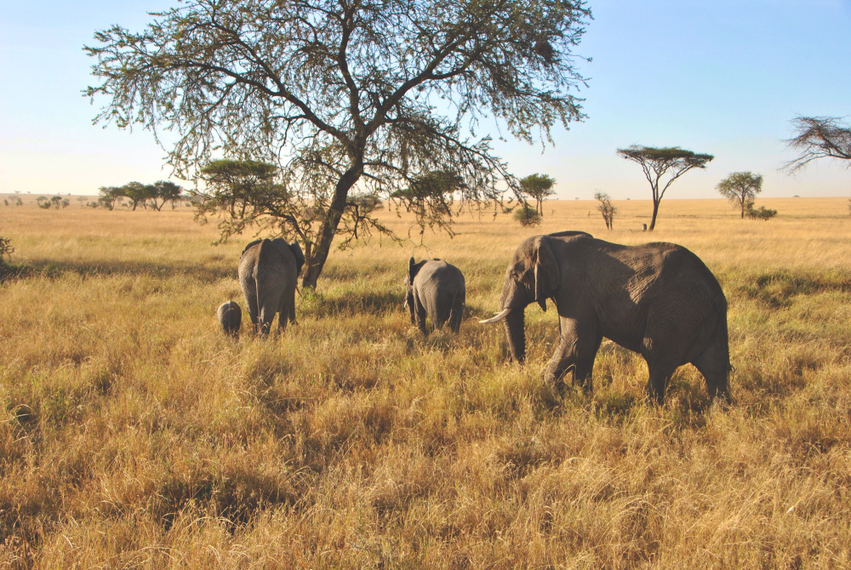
x=57, y=269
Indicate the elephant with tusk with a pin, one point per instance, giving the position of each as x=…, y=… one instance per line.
x=657, y=299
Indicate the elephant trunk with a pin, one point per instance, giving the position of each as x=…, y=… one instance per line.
x=514, y=331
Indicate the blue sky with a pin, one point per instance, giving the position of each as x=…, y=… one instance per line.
x=722, y=77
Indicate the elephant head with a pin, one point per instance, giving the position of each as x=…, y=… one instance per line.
x=532, y=276
x=413, y=269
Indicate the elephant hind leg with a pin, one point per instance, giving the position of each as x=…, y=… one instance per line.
x=456, y=314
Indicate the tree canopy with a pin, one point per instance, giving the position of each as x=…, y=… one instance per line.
x=346, y=95
x=741, y=189
x=539, y=187
x=656, y=163
x=819, y=137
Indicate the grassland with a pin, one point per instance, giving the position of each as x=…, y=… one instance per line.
x=134, y=434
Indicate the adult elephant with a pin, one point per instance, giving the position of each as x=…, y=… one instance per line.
x=268, y=270
x=657, y=299
x=435, y=288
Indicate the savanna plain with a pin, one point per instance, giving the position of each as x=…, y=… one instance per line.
x=133, y=433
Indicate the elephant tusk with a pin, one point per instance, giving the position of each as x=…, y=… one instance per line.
x=498, y=317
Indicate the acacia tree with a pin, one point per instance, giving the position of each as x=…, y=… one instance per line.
x=657, y=162
x=137, y=193
x=606, y=208
x=163, y=191
x=741, y=189
x=539, y=187
x=109, y=196
x=346, y=96
x=819, y=137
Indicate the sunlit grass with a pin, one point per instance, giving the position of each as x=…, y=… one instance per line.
x=133, y=433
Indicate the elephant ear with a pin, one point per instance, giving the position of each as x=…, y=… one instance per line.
x=546, y=273
x=299, y=256
x=412, y=270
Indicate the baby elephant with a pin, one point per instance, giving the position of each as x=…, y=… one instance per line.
x=230, y=317
x=435, y=288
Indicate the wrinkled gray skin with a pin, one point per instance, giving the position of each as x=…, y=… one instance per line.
x=268, y=270
x=657, y=299
x=435, y=289
x=230, y=317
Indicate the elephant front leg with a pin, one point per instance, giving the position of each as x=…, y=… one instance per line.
x=561, y=362
x=575, y=351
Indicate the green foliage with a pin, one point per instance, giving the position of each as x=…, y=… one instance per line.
x=606, y=208
x=657, y=162
x=6, y=248
x=165, y=191
x=762, y=213
x=741, y=189
x=341, y=95
x=527, y=215
x=539, y=187
x=109, y=195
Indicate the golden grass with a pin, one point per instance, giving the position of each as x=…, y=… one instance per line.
x=133, y=433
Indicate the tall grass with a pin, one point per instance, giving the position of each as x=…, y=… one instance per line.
x=133, y=433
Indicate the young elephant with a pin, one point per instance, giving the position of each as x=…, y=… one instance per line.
x=435, y=288
x=230, y=317
x=657, y=299
x=268, y=270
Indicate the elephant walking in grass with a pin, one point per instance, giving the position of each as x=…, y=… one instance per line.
x=435, y=289
x=657, y=299
x=230, y=317
x=268, y=270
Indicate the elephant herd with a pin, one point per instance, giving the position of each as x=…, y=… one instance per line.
x=657, y=299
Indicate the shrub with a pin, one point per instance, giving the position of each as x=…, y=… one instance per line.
x=762, y=213
x=6, y=248
x=527, y=216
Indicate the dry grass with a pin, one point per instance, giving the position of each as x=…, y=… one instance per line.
x=134, y=434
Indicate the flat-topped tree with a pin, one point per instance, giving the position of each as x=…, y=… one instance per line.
x=346, y=95
x=659, y=162
x=741, y=189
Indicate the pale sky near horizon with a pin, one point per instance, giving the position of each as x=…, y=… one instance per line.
x=723, y=77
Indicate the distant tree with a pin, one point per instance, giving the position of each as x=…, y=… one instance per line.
x=164, y=191
x=19, y=202
x=763, y=213
x=656, y=162
x=137, y=193
x=539, y=187
x=5, y=202
x=527, y=215
x=819, y=137
x=343, y=95
x=741, y=189
x=606, y=208
x=109, y=195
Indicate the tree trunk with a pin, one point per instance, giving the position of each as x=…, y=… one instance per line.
x=329, y=226
x=655, y=212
